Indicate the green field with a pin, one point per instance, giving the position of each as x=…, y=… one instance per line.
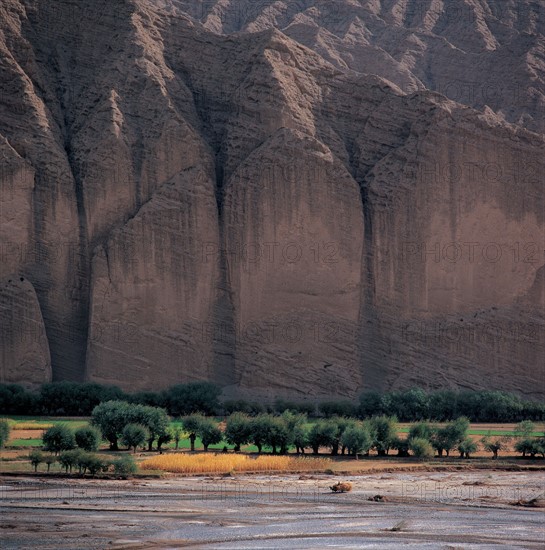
x=41, y=422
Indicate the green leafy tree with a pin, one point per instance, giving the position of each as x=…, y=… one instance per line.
x=50, y=459
x=356, y=439
x=383, y=430
x=261, y=427
x=110, y=418
x=196, y=397
x=525, y=429
x=134, y=435
x=421, y=430
x=294, y=423
x=164, y=438
x=89, y=462
x=450, y=436
x=530, y=447
x=250, y=408
x=58, y=438
x=4, y=432
x=494, y=446
x=300, y=438
x=420, y=447
x=125, y=466
x=88, y=438
x=192, y=424
x=323, y=434
x=238, y=430
x=69, y=459
x=338, y=408
x=402, y=446
x=209, y=433
x=176, y=435
x=36, y=458
x=155, y=419
x=467, y=447
x=371, y=404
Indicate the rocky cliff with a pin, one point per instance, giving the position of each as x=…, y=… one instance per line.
x=293, y=210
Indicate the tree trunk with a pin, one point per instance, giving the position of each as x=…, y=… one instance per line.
x=274, y=450
x=315, y=449
x=237, y=448
x=205, y=447
x=150, y=445
x=192, y=438
x=259, y=447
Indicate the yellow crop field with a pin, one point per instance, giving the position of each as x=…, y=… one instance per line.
x=31, y=426
x=184, y=463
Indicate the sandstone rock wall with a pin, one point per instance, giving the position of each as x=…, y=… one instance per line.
x=257, y=210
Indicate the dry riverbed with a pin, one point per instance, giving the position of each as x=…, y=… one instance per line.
x=449, y=510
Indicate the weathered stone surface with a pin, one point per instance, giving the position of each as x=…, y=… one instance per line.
x=258, y=210
x=24, y=351
x=294, y=235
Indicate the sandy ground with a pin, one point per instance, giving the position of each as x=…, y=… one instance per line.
x=449, y=510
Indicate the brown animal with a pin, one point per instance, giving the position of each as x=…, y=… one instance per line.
x=343, y=487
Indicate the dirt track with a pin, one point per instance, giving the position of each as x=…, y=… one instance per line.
x=431, y=510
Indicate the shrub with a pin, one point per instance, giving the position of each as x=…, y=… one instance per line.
x=4, y=432
x=420, y=447
x=88, y=438
x=59, y=438
x=125, y=465
x=134, y=435
x=36, y=458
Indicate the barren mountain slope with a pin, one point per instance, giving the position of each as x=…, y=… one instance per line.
x=190, y=205
x=476, y=52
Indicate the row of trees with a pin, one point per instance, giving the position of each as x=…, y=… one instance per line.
x=73, y=399
x=84, y=462
x=338, y=434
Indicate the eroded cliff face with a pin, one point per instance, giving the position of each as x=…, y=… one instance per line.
x=193, y=206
